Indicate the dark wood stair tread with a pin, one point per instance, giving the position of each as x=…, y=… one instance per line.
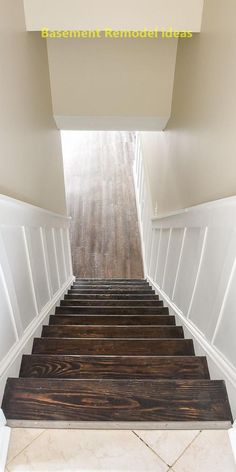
x=122, y=332
x=106, y=310
x=113, y=303
x=110, y=296
x=114, y=279
x=116, y=286
x=127, y=320
x=112, y=291
x=74, y=367
x=121, y=347
x=117, y=400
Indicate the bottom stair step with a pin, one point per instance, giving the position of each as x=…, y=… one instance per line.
x=114, y=367
x=82, y=403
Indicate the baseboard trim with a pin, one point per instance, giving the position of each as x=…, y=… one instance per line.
x=217, y=358
x=16, y=350
x=5, y=433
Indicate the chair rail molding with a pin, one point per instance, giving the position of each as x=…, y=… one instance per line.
x=190, y=260
x=35, y=273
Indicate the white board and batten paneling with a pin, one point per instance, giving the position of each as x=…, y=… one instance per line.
x=190, y=259
x=35, y=272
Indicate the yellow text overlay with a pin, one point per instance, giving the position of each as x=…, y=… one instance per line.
x=113, y=34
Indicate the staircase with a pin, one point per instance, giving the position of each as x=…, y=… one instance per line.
x=113, y=357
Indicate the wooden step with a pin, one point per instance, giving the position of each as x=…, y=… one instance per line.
x=126, y=402
x=121, y=332
x=111, y=310
x=127, y=320
x=115, y=279
x=105, y=367
x=143, y=303
x=108, y=288
x=115, y=291
x=121, y=283
x=114, y=347
x=109, y=296
x=112, y=286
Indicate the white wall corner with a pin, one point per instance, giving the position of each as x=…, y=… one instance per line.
x=232, y=437
x=4, y=441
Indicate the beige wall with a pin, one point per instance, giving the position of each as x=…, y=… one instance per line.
x=194, y=160
x=30, y=151
x=122, y=14
x=112, y=78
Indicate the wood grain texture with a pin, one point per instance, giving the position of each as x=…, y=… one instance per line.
x=105, y=367
x=109, y=347
x=113, y=281
x=111, y=310
x=116, y=400
x=121, y=332
x=110, y=296
x=112, y=320
x=117, y=286
x=111, y=291
x=114, y=303
x=101, y=201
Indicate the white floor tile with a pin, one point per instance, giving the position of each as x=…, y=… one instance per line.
x=21, y=438
x=209, y=452
x=169, y=445
x=88, y=451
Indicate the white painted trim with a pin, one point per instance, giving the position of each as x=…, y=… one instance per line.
x=55, y=254
x=166, y=260
x=9, y=304
x=63, y=250
x=18, y=347
x=25, y=232
x=158, y=252
x=179, y=262
x=224, y=302
x=227, y=369
x=46, y=264
x=4, y=441
x=232, y=437
x=139, y=223
x=151, y=250
x=198, y=272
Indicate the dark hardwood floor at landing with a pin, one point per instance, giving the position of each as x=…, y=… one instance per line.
x=101, y=201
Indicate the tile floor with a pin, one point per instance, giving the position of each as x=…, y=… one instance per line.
x=119, y=451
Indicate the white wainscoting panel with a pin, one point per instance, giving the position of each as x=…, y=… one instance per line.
x=16, y=250
x=190, y=258
x=172, y=262
x=188, y=267
x=35, y=272
x=52, y=259
x=6, y=320
x=38, y=266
